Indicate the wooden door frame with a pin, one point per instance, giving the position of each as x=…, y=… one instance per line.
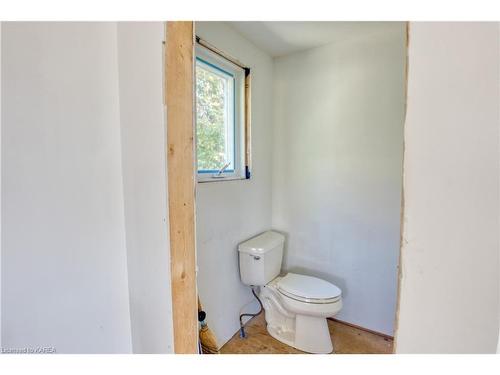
x=179, y=102
x=402, y=205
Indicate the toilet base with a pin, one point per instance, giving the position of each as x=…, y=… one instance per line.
x=311, y=335
x=306, y=333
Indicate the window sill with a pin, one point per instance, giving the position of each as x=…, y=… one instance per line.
x=208, y=180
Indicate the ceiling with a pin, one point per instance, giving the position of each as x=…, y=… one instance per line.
x=279, y=38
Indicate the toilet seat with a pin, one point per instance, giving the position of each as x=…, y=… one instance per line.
x=308, y=289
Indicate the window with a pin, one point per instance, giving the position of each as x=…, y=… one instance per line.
x=220, y=117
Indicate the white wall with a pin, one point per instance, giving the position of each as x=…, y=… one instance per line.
x=450, y=258
x=230, y=212
x=144, y=184
x=64, y=264
x=337, y=172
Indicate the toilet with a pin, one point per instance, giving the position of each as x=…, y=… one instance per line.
x=296, y=306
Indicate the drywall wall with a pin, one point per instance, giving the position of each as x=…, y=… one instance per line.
x=337, y=170
x=229, y=212
x=140, y=63
x=64, y=262
x=450, y=258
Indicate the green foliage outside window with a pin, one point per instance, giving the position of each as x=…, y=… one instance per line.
x=210, y=119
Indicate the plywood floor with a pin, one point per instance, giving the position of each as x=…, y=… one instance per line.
x=346, y=340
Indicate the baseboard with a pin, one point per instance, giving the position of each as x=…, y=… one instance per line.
x=387, y=337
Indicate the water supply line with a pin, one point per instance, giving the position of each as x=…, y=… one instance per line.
x=242, y=327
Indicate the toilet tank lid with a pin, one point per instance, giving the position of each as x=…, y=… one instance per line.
x=262, y=243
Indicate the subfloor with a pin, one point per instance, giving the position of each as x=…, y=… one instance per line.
x=346, y=340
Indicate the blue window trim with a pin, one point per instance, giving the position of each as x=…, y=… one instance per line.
x=215, y=171
x=214, y=66
x=206, y=171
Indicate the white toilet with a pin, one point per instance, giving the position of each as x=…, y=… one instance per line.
x=296, y=306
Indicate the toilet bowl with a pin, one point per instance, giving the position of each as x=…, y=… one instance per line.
x=296, y=306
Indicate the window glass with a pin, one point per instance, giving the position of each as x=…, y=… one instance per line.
x=214, y=118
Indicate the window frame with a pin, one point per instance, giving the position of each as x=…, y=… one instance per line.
x=231, y=116
x=207, y=56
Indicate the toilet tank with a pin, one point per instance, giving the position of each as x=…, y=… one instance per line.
x=260, y=258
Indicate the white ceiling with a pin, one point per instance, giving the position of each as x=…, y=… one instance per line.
x=281, y=38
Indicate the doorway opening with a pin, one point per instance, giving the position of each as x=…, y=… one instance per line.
x=326, y=151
